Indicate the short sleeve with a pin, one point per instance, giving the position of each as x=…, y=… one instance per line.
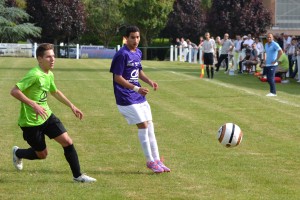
x=118, y=64
x=26, y=82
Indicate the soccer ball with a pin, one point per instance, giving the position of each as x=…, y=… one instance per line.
x=230, y=135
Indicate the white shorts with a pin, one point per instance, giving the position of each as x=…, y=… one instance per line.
x=136, y=113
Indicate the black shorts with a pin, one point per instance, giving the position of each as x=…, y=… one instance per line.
x=208, y=58
x=35, y=136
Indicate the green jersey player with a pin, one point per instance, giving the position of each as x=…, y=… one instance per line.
x=37, y=120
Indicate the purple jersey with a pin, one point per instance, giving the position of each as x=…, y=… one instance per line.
x=127, y=64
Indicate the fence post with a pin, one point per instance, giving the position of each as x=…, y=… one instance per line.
x=200, y=55
x=171, y=53
x=77, y=51
x=190, y=53
x=176, y=53
x=298, y=65
x=180, y=53
x=34, y=49
x=195, y=52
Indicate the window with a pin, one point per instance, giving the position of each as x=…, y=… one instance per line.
x=287, y=14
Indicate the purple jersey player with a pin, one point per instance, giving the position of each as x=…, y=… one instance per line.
x=130, y=96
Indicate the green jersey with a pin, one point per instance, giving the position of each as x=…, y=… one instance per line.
x=284, y=61
x=35, y=85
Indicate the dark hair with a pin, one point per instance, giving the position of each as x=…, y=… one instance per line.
x=42, y=48
x=131, y=29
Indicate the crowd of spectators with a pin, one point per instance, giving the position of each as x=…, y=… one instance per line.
x=245, y=53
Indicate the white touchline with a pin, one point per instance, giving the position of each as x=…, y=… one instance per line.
x=241, y=89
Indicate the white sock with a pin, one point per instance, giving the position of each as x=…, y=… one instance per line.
x=144, y=140
x=153, y=142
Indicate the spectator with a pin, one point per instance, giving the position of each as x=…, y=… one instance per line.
x=250, y=61
x=227, y=46
x=287, y=40
x=260, y=48
x=177, y=42
x=279, y=39
x=201, y=40
x=194, y=49
x=248, y=42
x=291, y=52
x=218, y=46
x=283, y=67
x=237, y=50
x=271, y=56
x=184, y=47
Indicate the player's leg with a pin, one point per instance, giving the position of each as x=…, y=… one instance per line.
x=270, y=71
x=36, y=140
x=207, y=71
x=56, y=130
x=210, y=63
x=72, y=158
x=152, y=138
x=143, y=135
x=154, y=147
x=212, y=71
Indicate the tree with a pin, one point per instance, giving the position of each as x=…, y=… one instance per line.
x=61, y=21
x=186, y=20
x=13, y=25
x=149, y=15
x=104, y=19
x=238, y=17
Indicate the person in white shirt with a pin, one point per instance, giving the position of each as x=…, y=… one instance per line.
x=208, y=50
x=292, y=53
x=287, y=40
x=237, y=50
x=260, y=48
x=184, y=47
x=248, y=42
x=227, y=46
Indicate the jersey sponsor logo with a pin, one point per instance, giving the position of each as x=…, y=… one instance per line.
x=43, y=96
x=131, y=63
x=134, y=76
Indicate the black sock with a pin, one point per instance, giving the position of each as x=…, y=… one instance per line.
x=207, y=71
x=72, y=158
x=27, y=154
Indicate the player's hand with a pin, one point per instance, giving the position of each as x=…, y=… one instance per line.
x=143, y=91
x=77, y=112
x=40, y=111
x=154, y=86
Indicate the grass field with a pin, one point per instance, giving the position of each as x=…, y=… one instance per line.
x=187, y=111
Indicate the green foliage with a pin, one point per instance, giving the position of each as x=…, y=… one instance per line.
x=238, y=17
x=61, y=21
x=149, y=15
x=13, y=25
x=104, y=19
x=187, y=113
x=187, y=20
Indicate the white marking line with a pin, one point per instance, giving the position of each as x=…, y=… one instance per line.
x=243, y=90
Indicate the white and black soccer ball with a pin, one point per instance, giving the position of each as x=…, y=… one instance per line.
x=230, y=135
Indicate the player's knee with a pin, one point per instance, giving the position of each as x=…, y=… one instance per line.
x=42, y=154
x=142, y=125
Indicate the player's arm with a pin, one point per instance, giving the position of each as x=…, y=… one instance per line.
x=39, y=110
x=144, y=78
x=123, y=82
x=280, y=52
x=63, y=99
